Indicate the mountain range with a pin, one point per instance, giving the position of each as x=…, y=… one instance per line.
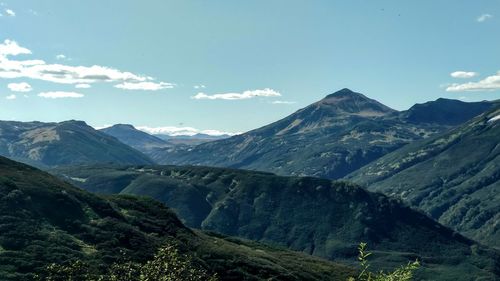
x=330, y=138
x=434, y=167
x=65, y=143
x=315, y=216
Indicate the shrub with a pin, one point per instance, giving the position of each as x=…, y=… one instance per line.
x=167, y=265
x=404, y=273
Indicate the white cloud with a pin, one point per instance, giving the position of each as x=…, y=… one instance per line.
x=10, y=13
x=60, y=57
x=20, y=87
x=146, y=86
x=11, y=48
x=199, y=86
x=490, y=83
x=11, y=97
x=283, y=102
x=463, y=74
x=484, y=17
x=82, y=86
x=65, y=74
x=239, y=96
x=181, y=131
x=60, y=95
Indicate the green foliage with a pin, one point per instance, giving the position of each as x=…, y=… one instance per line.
x=44, y=221
x=167, y=265
x=404, y=273
x=315, y=216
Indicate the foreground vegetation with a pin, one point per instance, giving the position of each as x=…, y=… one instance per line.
x=169, y=265
x=403, y=273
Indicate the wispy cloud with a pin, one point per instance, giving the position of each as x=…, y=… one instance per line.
x=20, y=87
x=11, y=97
x=60, y=95
x=182, y=131
x=82, y=86
x=484, y=17
x=10, y=13
x=463, y=74
x=490, y=83
x=60, y=57
x=67, y=74
x=238, y=96
x=199, y=86
x=146, y=86
x=11, y=48
x=283, y=102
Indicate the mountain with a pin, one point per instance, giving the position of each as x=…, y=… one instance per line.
x=453, y=177
x=191, y=139
x=316, y=216
x=65, y=143
x=445, y=111
x=330, y=138
x=137, y=139
x=44, y=220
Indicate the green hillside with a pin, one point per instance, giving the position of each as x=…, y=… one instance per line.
x=454, y=177
x=316, y=216
x=43, y=221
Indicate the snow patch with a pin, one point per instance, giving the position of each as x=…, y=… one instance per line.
x=496, y=118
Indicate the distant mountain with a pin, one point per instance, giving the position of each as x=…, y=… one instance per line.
x=191, y=139
x=137, y=139
x=330, y=138
x=44, y=220
x=454, y=177
x=315, y=216
x=64, y=143
x=445, y=111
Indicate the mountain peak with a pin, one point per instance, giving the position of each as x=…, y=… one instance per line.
x=348, y=101
x=123, y=126
x=343, y=93
x=78, y=123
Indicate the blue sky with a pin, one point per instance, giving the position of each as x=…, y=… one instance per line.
x=236, y=65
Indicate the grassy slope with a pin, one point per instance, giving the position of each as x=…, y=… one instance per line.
x=316, y=216
x=454, y=177
x=43, y=220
